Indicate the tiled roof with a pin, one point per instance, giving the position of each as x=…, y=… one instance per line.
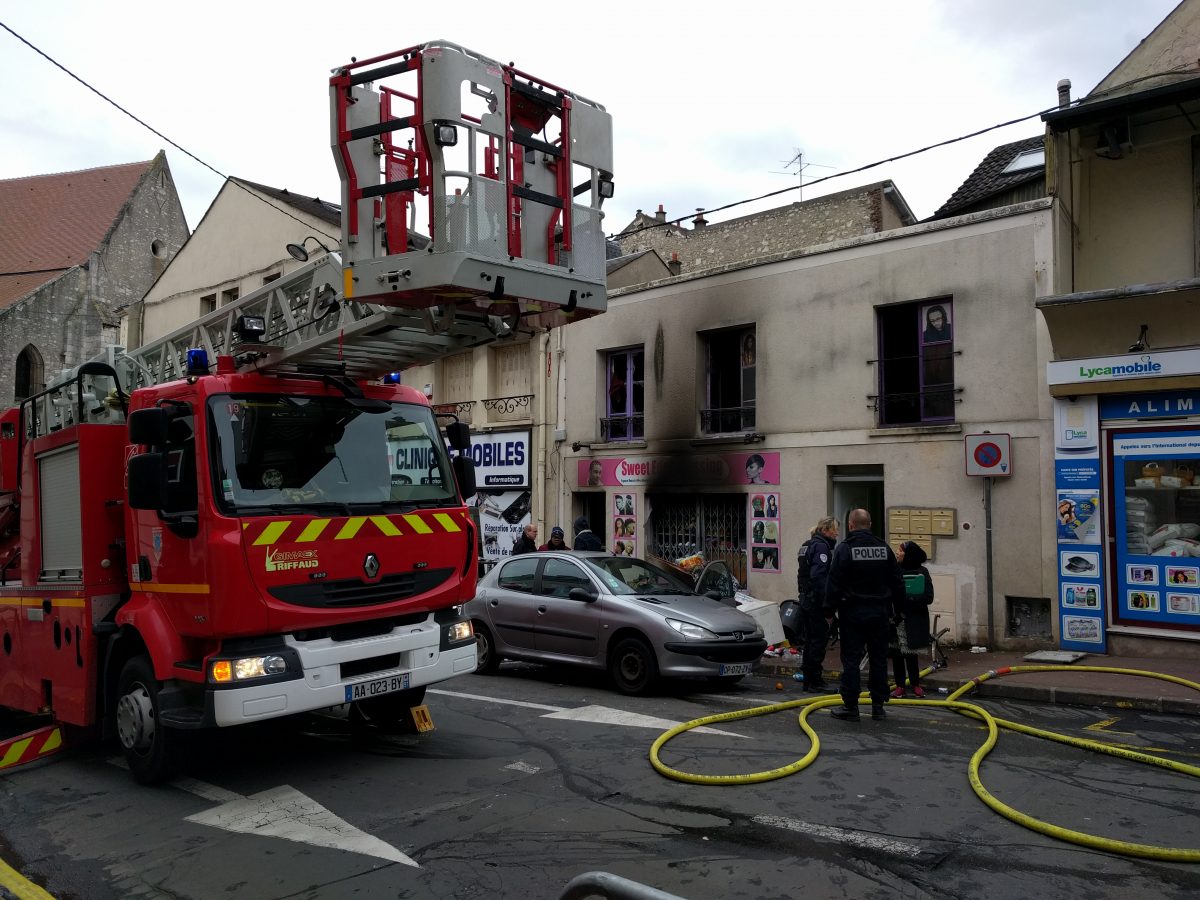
x=314, y=206
x=989, y=179
x=50, y=223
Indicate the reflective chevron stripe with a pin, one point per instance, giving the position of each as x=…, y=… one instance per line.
x=308, y=531
x=28, y=747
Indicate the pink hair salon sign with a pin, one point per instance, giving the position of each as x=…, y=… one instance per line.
x=689, y=469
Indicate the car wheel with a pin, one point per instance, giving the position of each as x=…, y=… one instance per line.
x=388, y=710
x=632, y=666
x=488, y=661
x=148, y=746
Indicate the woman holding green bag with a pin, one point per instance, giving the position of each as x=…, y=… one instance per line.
x=912, y=623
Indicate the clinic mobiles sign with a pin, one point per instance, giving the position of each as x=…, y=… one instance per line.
x=502, y=459
x=700, y=469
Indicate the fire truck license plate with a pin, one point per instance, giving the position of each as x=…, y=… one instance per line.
x=367, y=689
x=736, y=668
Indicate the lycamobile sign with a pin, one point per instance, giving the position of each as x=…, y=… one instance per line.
x=1126, y=367
x=1145, y=367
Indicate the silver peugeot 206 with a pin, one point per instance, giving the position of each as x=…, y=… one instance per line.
x=628, y=616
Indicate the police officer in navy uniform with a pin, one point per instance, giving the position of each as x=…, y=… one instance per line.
x=818, y=552
x=864, y=589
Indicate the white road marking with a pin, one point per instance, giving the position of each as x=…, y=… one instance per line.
x=841, y=835
x=524, y=767
x=284, y=812
x=603, y=715
x=524, y=703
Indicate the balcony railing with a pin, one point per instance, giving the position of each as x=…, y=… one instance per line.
x=505, y=409
x=623, y=428
x=727, y=420
x=462, y=410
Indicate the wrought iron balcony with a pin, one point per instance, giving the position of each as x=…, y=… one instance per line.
x=623, y=428
x=462, y=410
x=507, y=408
x=727, y=420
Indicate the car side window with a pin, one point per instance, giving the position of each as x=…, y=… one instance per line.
x=560, y=575
x=517, y=575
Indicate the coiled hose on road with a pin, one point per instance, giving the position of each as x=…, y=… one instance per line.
x=993, y=724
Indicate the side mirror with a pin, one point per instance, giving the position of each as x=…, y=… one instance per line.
x=458, y=435
x=582, y=595
x=148, y=426
x=464, y=474
x=147, y=480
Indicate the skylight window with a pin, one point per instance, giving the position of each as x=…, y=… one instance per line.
x=1027, y=159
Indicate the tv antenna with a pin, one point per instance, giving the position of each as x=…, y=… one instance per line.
x=799, y=166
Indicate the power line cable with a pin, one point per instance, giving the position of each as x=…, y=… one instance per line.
x=151, y=128
x=795, y=187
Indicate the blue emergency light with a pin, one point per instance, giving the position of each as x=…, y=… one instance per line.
x=391, y=378
x=197, y=362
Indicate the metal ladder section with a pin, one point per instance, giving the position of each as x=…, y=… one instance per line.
x=308, y=323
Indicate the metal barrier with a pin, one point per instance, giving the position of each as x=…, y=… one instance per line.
x=614, y=887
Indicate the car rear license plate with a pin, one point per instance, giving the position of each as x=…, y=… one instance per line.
x=364, y=690
x=736, y=668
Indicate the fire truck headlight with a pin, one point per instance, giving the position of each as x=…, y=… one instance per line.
x=259, y=666
x=459, y=631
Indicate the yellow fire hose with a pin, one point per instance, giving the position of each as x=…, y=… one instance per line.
x=994, y=724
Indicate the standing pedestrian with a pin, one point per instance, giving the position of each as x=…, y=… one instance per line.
x=912, y=627
x=812, y=572
x=585, y=538
x=863, y=589
x=557, y=540
x=527, y=542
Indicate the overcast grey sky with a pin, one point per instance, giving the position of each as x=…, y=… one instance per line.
x=709, y=101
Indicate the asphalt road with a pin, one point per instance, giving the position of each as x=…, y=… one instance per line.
x=515, y=798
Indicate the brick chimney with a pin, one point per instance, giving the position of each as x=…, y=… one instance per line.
x=699, y=221
x=675, y=265
x=661, y=215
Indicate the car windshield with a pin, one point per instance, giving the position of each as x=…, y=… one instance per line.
x=624, y=575
x=275, y=452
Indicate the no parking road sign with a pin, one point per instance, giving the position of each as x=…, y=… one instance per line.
x=988, y=454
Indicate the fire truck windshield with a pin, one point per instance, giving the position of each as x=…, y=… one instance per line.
x=272, y=452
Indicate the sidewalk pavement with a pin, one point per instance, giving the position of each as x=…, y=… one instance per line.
x=1069, y=688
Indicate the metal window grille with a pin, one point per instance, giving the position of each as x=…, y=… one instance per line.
x=712, y=524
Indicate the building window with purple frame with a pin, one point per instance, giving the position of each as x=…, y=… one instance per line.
x=916, y=363
x=624, y=418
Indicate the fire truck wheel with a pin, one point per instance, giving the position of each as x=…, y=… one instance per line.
x=388, y=710
x=487, y=660
x=145, y=743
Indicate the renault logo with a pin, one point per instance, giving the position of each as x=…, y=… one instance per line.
x=371, y=565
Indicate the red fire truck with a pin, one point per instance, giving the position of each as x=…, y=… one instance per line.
x=223, y=526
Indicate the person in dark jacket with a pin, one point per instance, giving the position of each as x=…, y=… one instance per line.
x=527, y=542
x=557, y=540
x=819, y=552
x=863, y=589
x=584, y=538
x=912, y=625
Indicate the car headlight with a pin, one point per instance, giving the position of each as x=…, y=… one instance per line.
x=459, y=631
x=692, y=632
x=223, y=671
x=758, y=632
